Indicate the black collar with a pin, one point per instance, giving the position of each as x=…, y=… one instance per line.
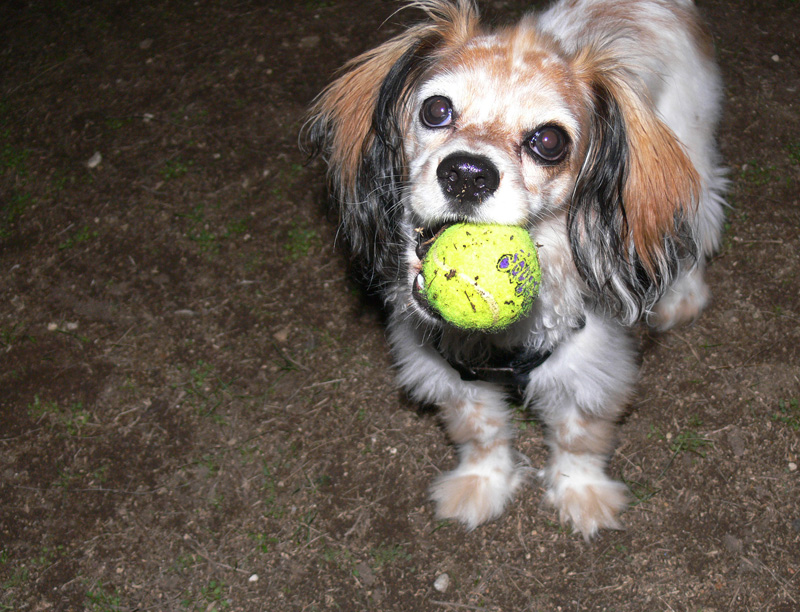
x=507, y=368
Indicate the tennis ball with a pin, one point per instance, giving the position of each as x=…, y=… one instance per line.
x=480, y=276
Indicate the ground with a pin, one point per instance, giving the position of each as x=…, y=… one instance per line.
x=197, y=408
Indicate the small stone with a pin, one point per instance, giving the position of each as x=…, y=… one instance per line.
x=309, y=42
x=365, y=573
x=146, y=44
x=792, y=466
x=732, y=543
x=441, y=583
x=776, y=58
x=253, y=578
x=95, y=160
x=736, y=442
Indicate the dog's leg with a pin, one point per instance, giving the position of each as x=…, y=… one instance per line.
x=682, y=303
x=488, y=473
x=580, y=393
x=478, y=422
x=577, y=484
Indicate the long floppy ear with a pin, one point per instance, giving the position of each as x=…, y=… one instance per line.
x=357, y=124
x=630, y=220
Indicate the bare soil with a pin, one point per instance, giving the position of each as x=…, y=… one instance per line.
x=197, y=409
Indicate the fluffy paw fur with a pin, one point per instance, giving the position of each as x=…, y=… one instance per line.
x=473, y=494
x=584, y=496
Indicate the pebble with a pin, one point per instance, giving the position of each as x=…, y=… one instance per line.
x=736, y=442
x=441, y=583
x=95, y=160
x=732, y=543
x=282, y=335
x=366, y=574
x=253, y=578
x=309, y=42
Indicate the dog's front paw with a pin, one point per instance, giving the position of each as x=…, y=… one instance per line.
x=473, y=495
x=586, y=498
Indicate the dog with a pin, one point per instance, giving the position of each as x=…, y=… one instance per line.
x=592, y=125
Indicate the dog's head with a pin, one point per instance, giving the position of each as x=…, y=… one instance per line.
x=449, y=122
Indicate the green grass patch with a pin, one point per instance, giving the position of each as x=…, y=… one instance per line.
x=100, y=599
x=793, y=150
x=757, y=175
x=73, y=418
x=642, y=491
x=212, y=596
x=9, y=336
x=299, y=241
x=263, y=542
x=690, y=441
x=175, y=168
x=10, y=211
x=386, y=555
x=82, y=236
x=273, y=509
x=284, y=179
x=210, y=239
x=206, y=391
x=14, y=169
x=788, y=413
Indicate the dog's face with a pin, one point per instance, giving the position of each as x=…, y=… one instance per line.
x=494, y=134
x=448, y=122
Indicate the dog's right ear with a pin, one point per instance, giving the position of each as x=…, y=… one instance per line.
x=630, y=221
x=357, y=124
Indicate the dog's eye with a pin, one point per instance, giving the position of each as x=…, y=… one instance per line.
x=437, y=112
x=549, y=144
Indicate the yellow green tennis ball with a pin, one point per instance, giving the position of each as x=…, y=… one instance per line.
x=480, y=276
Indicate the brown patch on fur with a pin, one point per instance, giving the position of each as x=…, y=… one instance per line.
x=662, y=184
x=592, y=508
x=597, y=437
x=467, y=423
x=462, y=495
x=479, y=452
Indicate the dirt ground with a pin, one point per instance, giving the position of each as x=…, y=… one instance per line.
x=197, y=405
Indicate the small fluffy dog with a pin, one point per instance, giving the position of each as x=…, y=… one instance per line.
x=591, y=125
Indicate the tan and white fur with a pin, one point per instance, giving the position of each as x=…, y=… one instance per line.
x=594, y=122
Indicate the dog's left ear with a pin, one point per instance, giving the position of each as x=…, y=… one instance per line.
x=630, y=220
x=358, y=124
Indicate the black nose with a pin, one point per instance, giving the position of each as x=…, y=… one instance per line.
x=467, y=179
